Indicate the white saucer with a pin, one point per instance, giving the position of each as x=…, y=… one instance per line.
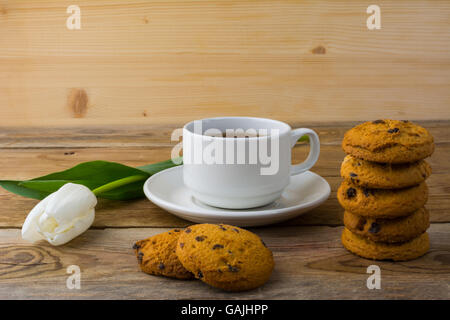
x=167, y=190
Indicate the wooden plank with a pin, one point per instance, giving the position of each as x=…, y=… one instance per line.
x=155, y=62
x=159, y=135
x=144, y=214
x=114, y=145
x=310, y=263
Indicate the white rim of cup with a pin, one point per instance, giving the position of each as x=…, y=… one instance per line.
x=287, y=128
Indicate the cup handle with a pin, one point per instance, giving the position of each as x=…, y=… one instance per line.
x=314, y=149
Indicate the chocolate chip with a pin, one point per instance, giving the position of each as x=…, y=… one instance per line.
x=405, y=121
x=378, y=121
x=264, y=244
x=199, y=238
x=394, y=130
x=233, y=269
x=366, y=192
x=161, y=266
x=181, y=245
x=234, y=229
x=217, y=246
x=140, y=257
x=136, y=246
x=374, y=228
x=351, y=192
x=220, y=271
x=230, y=252
x=361, y=224
x=187, y=230
x=176, y=230
x=199, y=274
x=352, y=174
x=222, y=228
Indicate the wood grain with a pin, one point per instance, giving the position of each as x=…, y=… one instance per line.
x=55, y=149
x=310, y=263
x=158, y=62
x=159, y=135
x=310, y=260
x=137, y=70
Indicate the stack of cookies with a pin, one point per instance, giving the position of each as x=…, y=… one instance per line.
x=384, y=190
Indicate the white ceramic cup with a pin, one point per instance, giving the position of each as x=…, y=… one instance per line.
x=215, y=175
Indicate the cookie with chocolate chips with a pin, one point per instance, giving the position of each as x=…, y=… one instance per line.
x=224, y=256
x=369, y=249
x=388, y=141
x=384, y=176
x=381, y=203
x=156, y=255
x=388, y=230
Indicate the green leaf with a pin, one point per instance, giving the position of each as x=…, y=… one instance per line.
x=131, y=191
x=97, y=172
x=93, y=174
x=14, y=187
x=159, y=166
x=304, y=138
x=50, y=186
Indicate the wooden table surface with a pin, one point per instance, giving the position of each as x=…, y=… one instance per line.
x=310, y=260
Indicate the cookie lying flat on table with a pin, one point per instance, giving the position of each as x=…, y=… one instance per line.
x=385, y=251
x=381, y=203
x=384, y=176
x=388, y=141
x=388, y=230
x=225, y=257
x=156, y=255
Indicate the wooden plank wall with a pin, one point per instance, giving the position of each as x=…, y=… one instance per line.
x=156, y=62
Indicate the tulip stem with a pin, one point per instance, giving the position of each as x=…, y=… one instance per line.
x=118, y=183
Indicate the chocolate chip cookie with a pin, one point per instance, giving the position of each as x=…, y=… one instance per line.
x=389, y=141
x=370, y=174
x=382, y=203
x=225, y=257
x=156, y=255
x=388, y=230
x=385, y=251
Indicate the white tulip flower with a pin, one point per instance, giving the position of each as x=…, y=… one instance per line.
x=61, y=216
